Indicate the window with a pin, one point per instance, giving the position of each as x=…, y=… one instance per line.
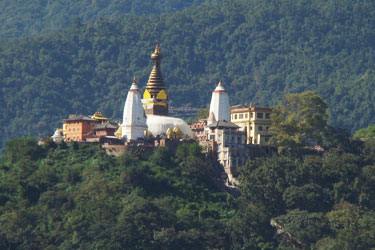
x=241, y=116
x=251, y=127
x=267, y=128
x=260, y=128
x=246, y=116
x=268, y=115
x=260, y=115
x=251, y=115
x=235, y=117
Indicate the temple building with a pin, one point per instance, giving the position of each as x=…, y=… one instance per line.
x=155, y=103
x=134, y=119
x=219, y=107
x=58, y=136
x=106, y=128
x=227, y=141
x=155, y=97
x=78, y=127
x=230, y=136
x=255, y=121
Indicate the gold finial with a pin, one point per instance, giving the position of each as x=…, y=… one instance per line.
x=156, y=55
x=220, y=83
x=178, y=133
x=170, y=133
x=157, y=47
x=134, y=81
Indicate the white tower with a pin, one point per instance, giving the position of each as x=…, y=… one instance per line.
x=219, y=106
x=134, y=119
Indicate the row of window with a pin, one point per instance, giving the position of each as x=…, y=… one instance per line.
x=228, y=138
x=259, y=116
x=260, y=128
x=73, y=129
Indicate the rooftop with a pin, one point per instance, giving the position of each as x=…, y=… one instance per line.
x=80, y=118
x=222, y=124
x=239, y=108
x=106, y=125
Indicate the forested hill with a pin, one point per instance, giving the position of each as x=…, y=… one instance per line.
x=24, y=17
x=77, y=197
x=260, y=49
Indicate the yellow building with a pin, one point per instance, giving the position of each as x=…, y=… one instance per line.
x=255, y=121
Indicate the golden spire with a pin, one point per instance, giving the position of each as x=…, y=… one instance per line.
x=220, y=84
x=134, y=81
x=155, y=81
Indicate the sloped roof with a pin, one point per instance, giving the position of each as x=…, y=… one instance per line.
x=106, y=125
x=81, y=118
x=222, y=124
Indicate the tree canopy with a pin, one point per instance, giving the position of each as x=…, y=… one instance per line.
x=366, y=133
x=76, y=196
x=259, y=49
x=22, y=17
x=299, y=122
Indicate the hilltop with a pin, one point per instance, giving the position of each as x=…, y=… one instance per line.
x=76, y=196
x=260, y=51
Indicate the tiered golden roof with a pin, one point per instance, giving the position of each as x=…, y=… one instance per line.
x=155, y=81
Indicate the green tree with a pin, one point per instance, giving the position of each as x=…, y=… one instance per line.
x=22, y=149
x=299, y=122
x=304, y=228
x=366, y=133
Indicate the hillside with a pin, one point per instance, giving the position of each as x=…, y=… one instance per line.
x=260, y=50
x=77, y=197
x=22, y=17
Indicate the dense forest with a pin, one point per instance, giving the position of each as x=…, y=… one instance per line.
x=77, y=197
x=260, y=49
x=23, y=17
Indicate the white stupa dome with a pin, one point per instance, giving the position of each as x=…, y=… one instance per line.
x=57, y=136
x=159, y=124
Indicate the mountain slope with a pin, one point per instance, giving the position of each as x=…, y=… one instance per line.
x=22, y=17
x=260, y=51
